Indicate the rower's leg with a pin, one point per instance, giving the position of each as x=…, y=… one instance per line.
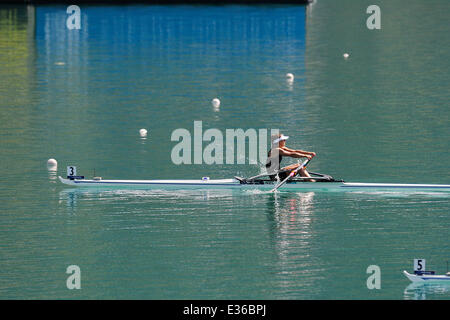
x=302, y=171
x=306, y=174
x=290, y=168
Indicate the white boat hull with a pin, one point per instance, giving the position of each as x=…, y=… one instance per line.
x=233, y=183
x=426, y=277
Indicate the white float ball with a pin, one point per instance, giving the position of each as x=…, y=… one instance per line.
x=290, y=76
x=143, y=132
x=346, y=55
x=215, y=102
x=52, y=164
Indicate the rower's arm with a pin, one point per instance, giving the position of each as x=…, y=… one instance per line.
x=293, y=154
x=307, y=152
x=300, y=151
x=296, y=153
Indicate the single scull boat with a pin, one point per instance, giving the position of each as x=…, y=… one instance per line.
x=321, y=182
x=240, y=183
x=426, y=276
x=422, y=275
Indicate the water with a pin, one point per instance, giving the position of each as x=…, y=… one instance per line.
x=81, y=96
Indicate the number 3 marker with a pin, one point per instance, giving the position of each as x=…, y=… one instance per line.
x=71, y=171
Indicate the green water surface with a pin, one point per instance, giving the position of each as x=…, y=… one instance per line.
x=81, y=96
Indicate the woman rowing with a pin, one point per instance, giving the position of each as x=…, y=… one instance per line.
x=276, y=154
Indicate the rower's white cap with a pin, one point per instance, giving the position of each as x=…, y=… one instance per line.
x=282, y=138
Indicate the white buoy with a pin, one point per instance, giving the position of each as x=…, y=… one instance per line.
x=143, y=133
x=289, y=76
x=52, y=164
x=215, y=102
x=346, y=55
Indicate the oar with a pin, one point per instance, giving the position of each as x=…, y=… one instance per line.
x=258, y=176
x=263, y=175
x=292, y=174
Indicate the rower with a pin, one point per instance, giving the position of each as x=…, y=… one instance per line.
x=276, y=154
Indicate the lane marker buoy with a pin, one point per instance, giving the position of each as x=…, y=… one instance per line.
x=143, y=133
x=215, y=102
